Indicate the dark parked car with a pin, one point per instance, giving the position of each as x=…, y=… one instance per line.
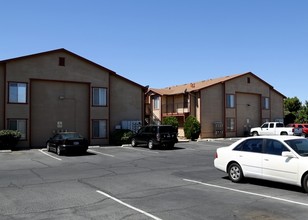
x=65, y=142
x=155, y=135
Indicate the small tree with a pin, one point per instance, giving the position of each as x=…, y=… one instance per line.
x=9, y=138
x=192, y=128
x=121, y=136
x=171, y=120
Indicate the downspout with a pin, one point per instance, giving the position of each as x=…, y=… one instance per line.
x=109, y=107
x=161, y=109
x=144, y=91
x=89, y=113
x=224, y=109
x=200, y=110
x=4, y=96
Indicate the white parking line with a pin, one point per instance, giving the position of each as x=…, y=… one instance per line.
x=249, y=193
x=97, y=152
x=129, y=206
x=137, y=149
x=49, y=155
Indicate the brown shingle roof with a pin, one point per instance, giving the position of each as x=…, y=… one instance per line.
x=190, y=87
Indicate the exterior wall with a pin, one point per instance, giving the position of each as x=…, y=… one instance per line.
x=248, y=110
x=212, y=109
x=277, y=106
x=62, y=95
x=126, y=102
x=46, y=67
x=249, y=90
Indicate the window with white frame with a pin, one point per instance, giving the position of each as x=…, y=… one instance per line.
x=156, y=102
x=18, y=125
x=99, y=96
x=17, y=92
x=99, y=128
x=230, y=124
x=266, y=103
x=230, y=99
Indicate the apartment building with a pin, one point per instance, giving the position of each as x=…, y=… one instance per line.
x=226, y=107
x=43, y=93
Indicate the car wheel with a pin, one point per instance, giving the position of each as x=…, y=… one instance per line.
x=150, y=144
x=254, y=133
x=48, y=147
x=134, y=143
x=305, y=183
x=235, y=173
x=284, y=133
x=59, y=151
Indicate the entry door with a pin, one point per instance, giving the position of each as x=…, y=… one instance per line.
x=277, y=167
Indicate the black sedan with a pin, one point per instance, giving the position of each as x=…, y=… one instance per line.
x=65, y=142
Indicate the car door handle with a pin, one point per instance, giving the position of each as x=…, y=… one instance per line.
x=266, y=159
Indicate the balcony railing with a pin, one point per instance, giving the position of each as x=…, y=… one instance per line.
x=175, y=108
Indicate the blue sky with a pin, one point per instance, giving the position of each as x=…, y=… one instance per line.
x=162, y=43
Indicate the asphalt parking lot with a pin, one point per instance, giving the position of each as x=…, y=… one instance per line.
x=138, y=183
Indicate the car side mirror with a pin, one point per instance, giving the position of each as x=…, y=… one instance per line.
x=288, y=154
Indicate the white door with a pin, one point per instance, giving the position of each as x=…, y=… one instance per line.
x=267, y=129
x=250, y=158
x=277, y=167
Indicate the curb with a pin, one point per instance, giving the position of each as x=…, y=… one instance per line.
x=5, y=151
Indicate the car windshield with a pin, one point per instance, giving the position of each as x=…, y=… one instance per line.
x=299, y=145
x=71, y=136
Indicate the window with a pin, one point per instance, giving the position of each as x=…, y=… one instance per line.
x=185, y=100
x=230, y=101
x=18, y=125
x=274, y=147
x=99, y=128
x=17, y=92
x=248, y=80
x=156, y=102
x=299, y=145
x=61, y=61
x=230, y=124
x=99, y=96
x=252, y=145
x=266, y=103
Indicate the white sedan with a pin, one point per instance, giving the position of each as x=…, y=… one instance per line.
x=275, y=158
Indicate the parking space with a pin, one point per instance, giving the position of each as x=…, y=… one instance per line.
x=138, y=183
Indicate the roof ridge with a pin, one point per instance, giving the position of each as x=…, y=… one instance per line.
x=205, y=80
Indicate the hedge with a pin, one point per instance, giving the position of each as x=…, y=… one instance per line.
x=9, y=138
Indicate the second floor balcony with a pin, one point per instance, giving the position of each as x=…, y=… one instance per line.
x=175, y=109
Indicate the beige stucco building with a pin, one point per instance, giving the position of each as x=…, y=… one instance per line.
x=226, y=107
x=47, y=92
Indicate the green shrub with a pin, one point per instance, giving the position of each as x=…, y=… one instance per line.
x=9, y=138
x=121, y=136
x=171, y=120
x=192, y=128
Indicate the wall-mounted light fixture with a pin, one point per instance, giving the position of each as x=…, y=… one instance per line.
x=61, y=97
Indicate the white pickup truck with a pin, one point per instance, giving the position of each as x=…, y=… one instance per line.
x=271, y=128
